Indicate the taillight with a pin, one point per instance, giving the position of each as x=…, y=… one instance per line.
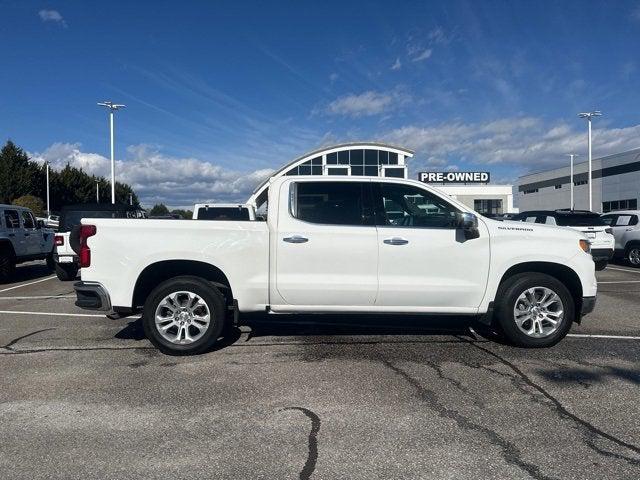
x=59, y=240
x=86, y=231
x=608, y=230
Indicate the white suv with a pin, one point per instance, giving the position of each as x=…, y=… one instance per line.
x=22, y=239
x=591, y=224
x=626, y=230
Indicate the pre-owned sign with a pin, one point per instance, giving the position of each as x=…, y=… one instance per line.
x=454, y=177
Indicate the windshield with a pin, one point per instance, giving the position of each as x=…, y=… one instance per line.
x=580, y=220
x=70, y=219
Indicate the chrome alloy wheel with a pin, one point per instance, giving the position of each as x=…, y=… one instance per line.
x=182, y=317
x=634, y=256
x=538, y=312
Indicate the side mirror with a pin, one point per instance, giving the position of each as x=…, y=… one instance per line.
x=468, y=223
x=39, y=224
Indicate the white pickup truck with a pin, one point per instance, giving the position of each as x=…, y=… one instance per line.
x=349, y=244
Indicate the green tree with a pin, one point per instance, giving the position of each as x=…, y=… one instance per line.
x=18, y=175
x=159, y=209
x=186, y=214
x=34, y=203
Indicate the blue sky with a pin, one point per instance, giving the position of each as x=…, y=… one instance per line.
x=219, y=93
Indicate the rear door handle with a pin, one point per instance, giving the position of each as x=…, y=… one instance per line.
x=396, y=241
x=295, y=239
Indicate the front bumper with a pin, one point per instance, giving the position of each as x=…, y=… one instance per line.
x=92, y=296
x=599, y=254
x=588, y=304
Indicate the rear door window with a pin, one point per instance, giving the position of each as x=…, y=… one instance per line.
x=332, y=203
x=626, y=220
x=11, y=219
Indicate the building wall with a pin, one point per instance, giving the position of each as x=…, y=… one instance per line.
x=607, y=184
x=467, y=194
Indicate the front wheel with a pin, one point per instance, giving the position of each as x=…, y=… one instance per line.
x=184, y=316
x=534, y=310
x=601, y=265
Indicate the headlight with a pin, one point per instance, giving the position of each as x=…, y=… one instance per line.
x=585, y=246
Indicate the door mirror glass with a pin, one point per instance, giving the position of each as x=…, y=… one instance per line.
x=468, y=223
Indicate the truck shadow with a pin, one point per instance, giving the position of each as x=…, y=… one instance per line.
x=29, y=271
x=260, y=327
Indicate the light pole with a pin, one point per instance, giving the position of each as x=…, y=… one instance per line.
x=112, y=108
x=97, y=192
x=572, y=156
x=589, y=116
x=48, y=211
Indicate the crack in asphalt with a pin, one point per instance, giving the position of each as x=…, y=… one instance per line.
x=9, y=345
x=457, y=384
x=510, y=452
x=312, y=456
x=588, y=428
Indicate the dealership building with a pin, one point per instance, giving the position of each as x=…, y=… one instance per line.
x=384, y=160
x=616, y=185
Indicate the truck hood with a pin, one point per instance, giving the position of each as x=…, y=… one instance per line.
x=539, y=231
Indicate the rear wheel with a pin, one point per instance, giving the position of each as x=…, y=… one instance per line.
x=632, y=255
x=534, y=310
x=601, y=264
x=7, y=266
x=184, y=316
x=66, y=271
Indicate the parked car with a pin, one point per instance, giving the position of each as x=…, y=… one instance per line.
x=65, y=256
x=22, y=239
x=329, y=246
x=223, y=211
x=626, y=230
x=589, y=223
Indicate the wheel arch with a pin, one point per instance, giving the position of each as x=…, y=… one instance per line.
x=6, y=245
x=563, y=273
x=156, y=273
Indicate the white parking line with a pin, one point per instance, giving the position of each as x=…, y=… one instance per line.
x=36, y=297
x=614, y=337
x=57, y=314
x=617, y=281
x=26, y=284
x=623, y=270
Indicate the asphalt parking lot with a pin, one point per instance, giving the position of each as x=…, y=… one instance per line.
x=82, y=396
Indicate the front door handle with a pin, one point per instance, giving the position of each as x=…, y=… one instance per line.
x=295, y=239
x=396, y=241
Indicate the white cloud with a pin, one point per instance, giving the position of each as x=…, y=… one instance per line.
x=423, y=55
x=397, y=64
x=155, y=177
x=52, y=16
x=367, y=103
x=526, y=143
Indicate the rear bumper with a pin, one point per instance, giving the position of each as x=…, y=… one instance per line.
x=599, y=254
x=92, y=296
x=588, y=304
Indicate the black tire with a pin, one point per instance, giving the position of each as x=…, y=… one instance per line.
x=632, y=255
x=66, y=271
x=7, y=266
x=507, y=296
x=601, y=265
x=208, y=293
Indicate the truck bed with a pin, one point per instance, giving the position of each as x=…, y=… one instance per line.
x=122, y=248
